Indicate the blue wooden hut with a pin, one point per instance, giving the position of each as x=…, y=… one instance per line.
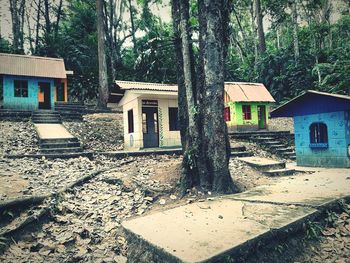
x=31, y=83
x=321, y=126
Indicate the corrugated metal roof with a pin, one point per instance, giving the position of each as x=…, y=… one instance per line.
x=131, y=85
x=238, y=91
x=21, y=65
x=248, y=92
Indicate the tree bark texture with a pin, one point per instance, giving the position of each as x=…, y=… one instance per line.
x=260, y=27
x=203, y=130
x=102, y=66
x=295, y=31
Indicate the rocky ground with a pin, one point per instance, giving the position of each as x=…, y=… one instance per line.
x=85, y=220
x=99, y=132
x=17, y=138
x=281, y=124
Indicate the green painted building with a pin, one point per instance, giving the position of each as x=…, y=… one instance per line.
x=247, y=106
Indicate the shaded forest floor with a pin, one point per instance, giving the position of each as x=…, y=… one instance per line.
x=85, y=222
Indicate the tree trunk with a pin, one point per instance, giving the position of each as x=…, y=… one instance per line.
x=203, y=130
x=133, y=29
x=102, y=66
x=15, y=24
x=295, y=31
x=37, y=26
x=58, y=17
x=260, y=27
x=254, y=30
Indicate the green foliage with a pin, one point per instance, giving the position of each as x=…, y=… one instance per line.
x=313, y=230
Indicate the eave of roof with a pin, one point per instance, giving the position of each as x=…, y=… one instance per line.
x=32, y=66
x=286, y=110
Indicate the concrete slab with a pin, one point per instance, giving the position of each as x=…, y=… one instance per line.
x=315, y=189
x=52, y=131
x=206, y=231
x=258, y=161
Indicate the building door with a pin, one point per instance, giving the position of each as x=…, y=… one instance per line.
x=45, y=90
x=150, y=127
x=262, y=116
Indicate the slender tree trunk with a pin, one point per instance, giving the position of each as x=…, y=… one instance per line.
x=260, y=27
x=295, y=31
x=133, y=29
x=58, y=17
x=37, y=26
x=15, y=24
x=278, y=37
x=102, y=66
x=254, y=30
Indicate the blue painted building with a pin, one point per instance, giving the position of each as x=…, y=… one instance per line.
x=31, y=83
x=321, y=127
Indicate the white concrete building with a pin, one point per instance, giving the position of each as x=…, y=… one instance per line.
x=150, y=114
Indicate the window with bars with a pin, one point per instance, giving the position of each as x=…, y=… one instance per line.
x=318, y=135
x=21, y=88
x=130, y=121
x=247, y=112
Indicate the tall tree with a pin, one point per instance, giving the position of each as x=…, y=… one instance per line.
x=203, y=131
x=102, y=65
x=17, y=10
x=260, y=26
x=295, y=30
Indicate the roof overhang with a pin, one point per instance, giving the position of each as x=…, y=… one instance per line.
x=312, y=102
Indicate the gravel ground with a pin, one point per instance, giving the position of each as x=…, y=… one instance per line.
x=99, y=132
x=17, y=138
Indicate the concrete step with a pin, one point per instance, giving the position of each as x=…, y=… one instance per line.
x=263, y=139
x=268, y=143
x=241, y=154
x=284, y=150
x=238, y=149
x=61, y=150
x=279, y=172
x=48, y=121
x=68, y=140
x=277, y=147
x=263, y=164
x=48, y=145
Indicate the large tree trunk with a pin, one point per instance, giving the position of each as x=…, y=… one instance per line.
x=295, y=31
x=260, y=27
x=214, y=145
x=203, y=130
x=102, y=66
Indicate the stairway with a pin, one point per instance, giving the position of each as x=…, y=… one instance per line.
x=275, y=145
x=70, y=111
x=55, y=141
x=59, y=146
x=267, y=166
x=240, y=151
x=47, y=117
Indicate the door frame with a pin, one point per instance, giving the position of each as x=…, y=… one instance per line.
x=148, y=106
x=262, y=113
x=47, y=95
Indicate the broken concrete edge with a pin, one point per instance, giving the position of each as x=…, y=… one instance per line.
x=331, y=204
x=141, y=250
x=140, y=153
x=50, y=155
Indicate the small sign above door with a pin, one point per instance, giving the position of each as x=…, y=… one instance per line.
x=149, y=103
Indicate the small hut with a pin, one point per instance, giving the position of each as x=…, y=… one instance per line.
x=246, y=106
x=321, y=127
x=31, y=83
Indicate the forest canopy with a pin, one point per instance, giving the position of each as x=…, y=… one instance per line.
x=290, y=46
